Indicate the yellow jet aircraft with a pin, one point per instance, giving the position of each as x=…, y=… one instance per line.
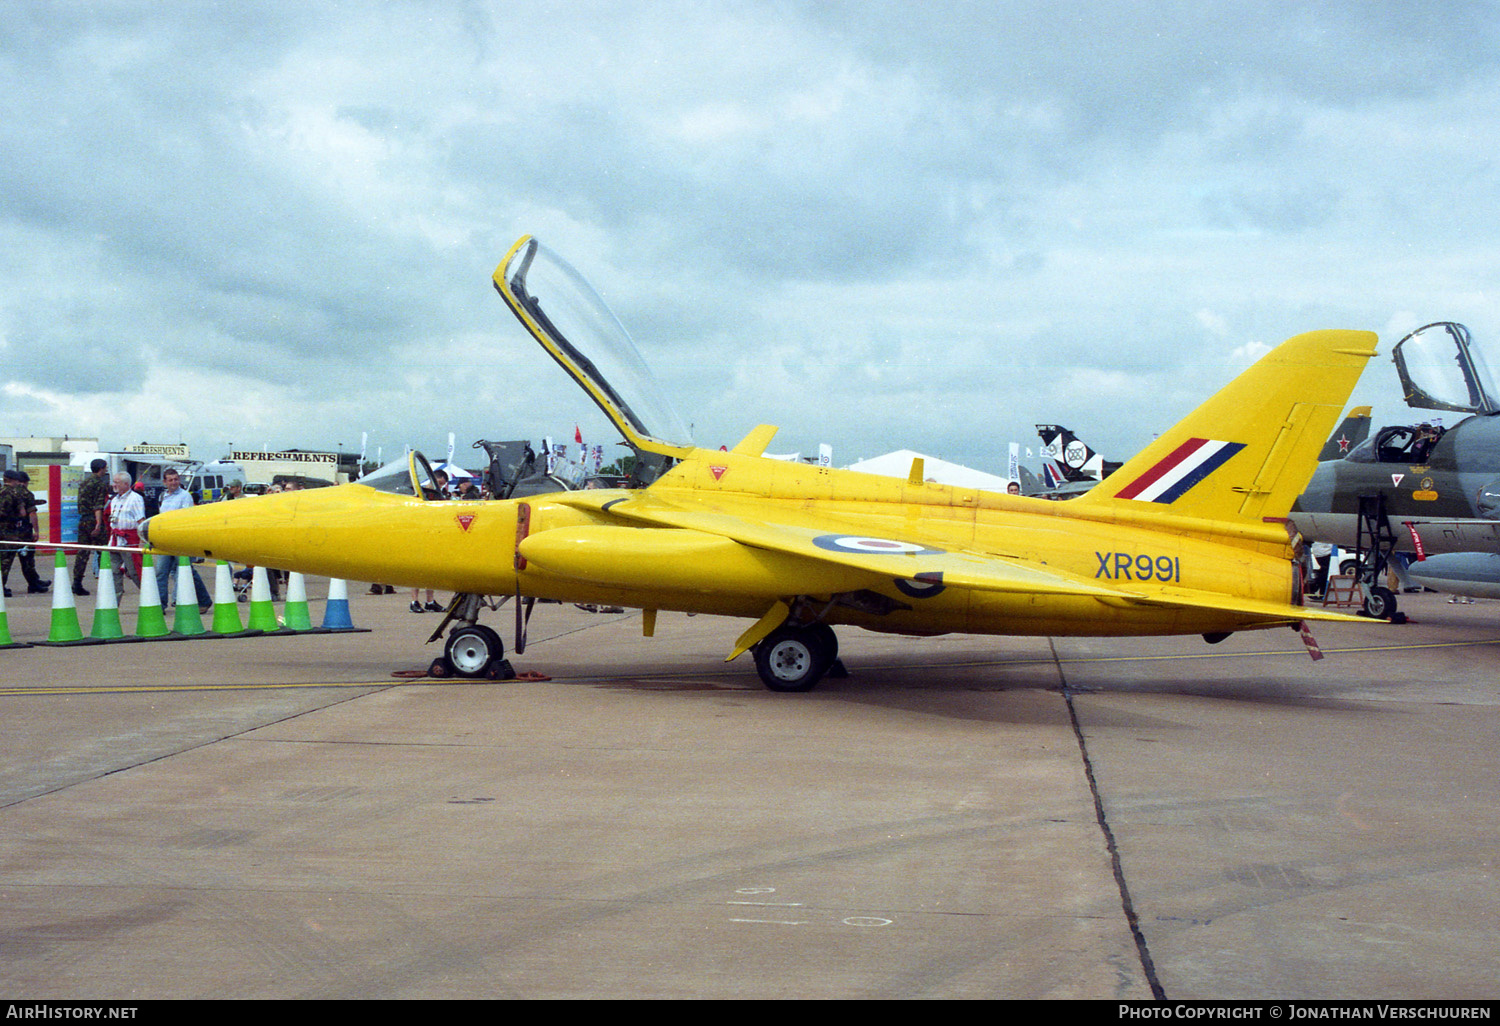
x=1189, y=537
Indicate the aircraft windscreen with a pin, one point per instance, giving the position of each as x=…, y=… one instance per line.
x=1441, y=370
x=395, y=477
x=592, y=343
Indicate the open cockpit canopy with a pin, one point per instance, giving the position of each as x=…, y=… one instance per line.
x=1441, y=370
x=564, y=313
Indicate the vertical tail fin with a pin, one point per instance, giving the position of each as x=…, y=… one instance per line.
x=1348, y=435
x=1072, y=456
x=1247, y=453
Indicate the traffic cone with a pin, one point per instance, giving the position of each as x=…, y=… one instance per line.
x=262, y=611
x=150, y=621
x=336, y=613
x=106, y=608
x=226, y=606
x=187, y=621
x=295, y=611
x=65, y=629
x=5, y=641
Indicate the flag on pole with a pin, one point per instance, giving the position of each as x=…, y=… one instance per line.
x=577, y=435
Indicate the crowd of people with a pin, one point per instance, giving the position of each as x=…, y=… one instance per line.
x=110, y=511
x=18, y=523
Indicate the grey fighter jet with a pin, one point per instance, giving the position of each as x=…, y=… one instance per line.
x=1440, y=487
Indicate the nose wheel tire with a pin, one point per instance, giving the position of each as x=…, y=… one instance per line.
x=472, y=650
x=795, y=658
x=1381, y=605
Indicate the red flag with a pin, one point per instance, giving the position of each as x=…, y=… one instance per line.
x=577, y=435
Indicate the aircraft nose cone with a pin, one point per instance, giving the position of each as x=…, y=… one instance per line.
x=144, y=527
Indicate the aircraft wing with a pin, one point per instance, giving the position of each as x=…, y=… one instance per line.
x=908, y=559
x=914, y=562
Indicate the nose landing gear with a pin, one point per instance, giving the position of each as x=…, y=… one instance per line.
x=472, y=650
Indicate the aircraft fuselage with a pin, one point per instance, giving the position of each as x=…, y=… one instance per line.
x=571, y=547
x=1446, y=486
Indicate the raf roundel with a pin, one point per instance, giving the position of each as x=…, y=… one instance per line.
x=872, y=546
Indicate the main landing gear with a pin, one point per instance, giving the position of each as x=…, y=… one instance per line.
x=794, y=657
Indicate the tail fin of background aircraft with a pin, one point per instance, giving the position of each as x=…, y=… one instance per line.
x=1354, y=429
x=1071, y=455
x=1248, y=452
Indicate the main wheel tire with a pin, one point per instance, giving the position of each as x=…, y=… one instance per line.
x=1381, y=605
x=472, y=649
x=792, y=659
x=823, y=635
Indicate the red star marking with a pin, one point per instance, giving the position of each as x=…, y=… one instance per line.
x=1343, y=443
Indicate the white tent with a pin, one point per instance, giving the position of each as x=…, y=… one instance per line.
x=898, y=464
x=454, y=471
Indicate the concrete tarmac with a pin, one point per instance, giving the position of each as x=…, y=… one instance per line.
x=959, y=818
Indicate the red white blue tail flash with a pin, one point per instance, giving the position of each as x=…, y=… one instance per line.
x=1184, y=467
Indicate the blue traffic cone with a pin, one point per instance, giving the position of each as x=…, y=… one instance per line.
x=336, y=616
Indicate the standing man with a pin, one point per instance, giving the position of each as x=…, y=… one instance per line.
x=93, y=523
x=176, y=497
x=18, y=523
x=126, y=511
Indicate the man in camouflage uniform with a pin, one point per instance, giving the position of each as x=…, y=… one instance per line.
x=18, y=523
x=93, y=519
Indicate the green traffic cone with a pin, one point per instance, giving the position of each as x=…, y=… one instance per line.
x=5, y=640
x=150, y=621
x=226, y=606
x=262, y=612
x=295, y=611
x=187, y=621
x=106, y=607
x=65, y=627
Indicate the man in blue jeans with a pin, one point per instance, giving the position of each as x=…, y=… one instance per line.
x=176, y=497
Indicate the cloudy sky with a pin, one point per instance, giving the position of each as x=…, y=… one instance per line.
x=878, y=225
